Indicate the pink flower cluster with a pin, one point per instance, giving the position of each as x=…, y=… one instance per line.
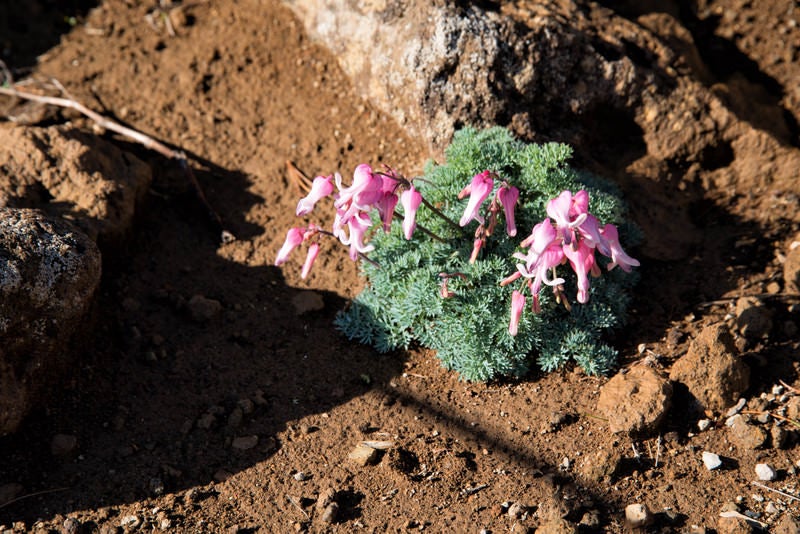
x=479, y=190
x=369, y=190
x=574, y=238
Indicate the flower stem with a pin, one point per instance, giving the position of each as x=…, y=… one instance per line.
x=441, y=215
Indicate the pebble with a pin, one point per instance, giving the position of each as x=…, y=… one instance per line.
x=244, y=443
x=770, y=508
x=637, y=515
x=516, y=510
x=70, y=526
x=364, y=455
x=711, y=460
x=590, y=519
x=330, y=513
x=765, y=472
x=130, y=521
x=203, y=309
x=777, y=389
x=703, y=424
x=300, y=476
x=63, y=445
x=733, y=410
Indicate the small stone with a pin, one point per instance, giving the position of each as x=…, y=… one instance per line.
x=780, y=436
x=734, y=525
x=777, y=389
x=703, y=424
x=130, y=522
x=364, y=455
x=63, y=445
x=745, y=435
x=711, y=460
x=753, y=318
x=770, y=508
x=300, y=476
x=244, y=443
x=637, y=515
x=307, y=301
x=326, y=496
x=330, y=513
x=70, y=526
x=733, y=410
x=206, y=421
x=516, y=510
x=763, y=418
x=591, y=519
x=203, y=309
x=765, y=472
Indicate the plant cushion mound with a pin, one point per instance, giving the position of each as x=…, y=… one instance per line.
x=427, y=292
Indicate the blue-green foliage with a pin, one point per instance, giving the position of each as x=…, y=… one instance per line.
x=401, y=304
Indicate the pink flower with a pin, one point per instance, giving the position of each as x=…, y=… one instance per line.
x=582, y=260
x=568, y=213
x=410, y=199
x=320, y=188
x=590, y=231
x=508, y=197
x=477, y=245
x=363, y=193
x=617, y=255
x=478, y=190
x=294, y=237
x=313, y=252
x=358, y=226
x=517, y=304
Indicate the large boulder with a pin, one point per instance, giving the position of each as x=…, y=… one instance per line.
x=49, y=271
x=629, y=91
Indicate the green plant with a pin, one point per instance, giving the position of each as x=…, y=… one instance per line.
x=460, y=290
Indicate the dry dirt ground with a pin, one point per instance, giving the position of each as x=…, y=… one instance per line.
x=243, y=421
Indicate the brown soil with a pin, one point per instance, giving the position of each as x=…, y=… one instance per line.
x=159, y=400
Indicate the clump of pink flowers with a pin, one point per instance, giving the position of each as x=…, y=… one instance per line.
x=569, y=235
x=573, y=239
x=369, y=191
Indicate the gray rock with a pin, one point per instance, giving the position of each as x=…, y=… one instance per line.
x=711, y=460
x=765, y=472
x=49, y=271
x=637, y=401
x=637, y=515
x=711, y=371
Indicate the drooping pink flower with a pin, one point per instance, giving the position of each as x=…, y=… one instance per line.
x=542, y=236
x=321, y=187
x=294, y=237
x=410, y=199
x=358, y=226
x=362, y=194
x=478, y=190
x=617, y=255
x=581, y=258
x=590, y=232
x=567, y=214
x=508, y=197
x=313, y=252
x=517, y=305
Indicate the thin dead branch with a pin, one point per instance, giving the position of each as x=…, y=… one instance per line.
x=143, y=139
